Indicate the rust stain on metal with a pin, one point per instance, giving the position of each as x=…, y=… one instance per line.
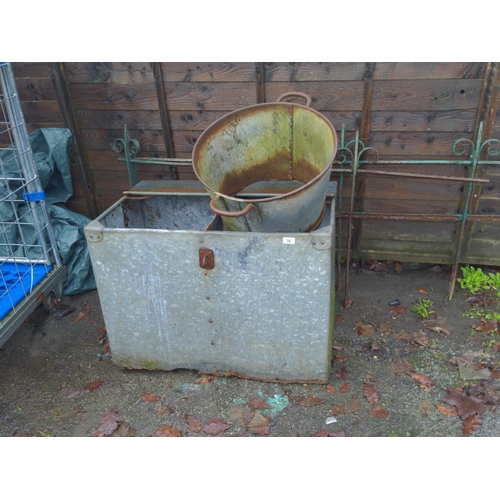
x=207, y=258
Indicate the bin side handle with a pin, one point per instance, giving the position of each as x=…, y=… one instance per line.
x=225, y=213
x=296, y=94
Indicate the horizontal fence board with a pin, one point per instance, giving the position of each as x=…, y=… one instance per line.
x=408, y=231
x=226, y=96
x=30, y=69
x=103, y=139
x=103, y=96
x=489, y=230
x=41, y=112
x=36, y=89
x=428, y=70
x=459, y=122
x=429, y=95
x=417, y=251
x=313, y=71
x=208, y=72
x=118, y=73
x=117, y=119
x=415, y=144
x=394, y=206
x=326, y=96
x=486, y=252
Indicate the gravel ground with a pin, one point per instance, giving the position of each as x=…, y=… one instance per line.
x=390, y=374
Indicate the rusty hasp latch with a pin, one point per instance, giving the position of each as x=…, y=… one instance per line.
x=207, y=259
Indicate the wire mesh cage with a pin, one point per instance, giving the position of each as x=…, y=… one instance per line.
x=30, y=266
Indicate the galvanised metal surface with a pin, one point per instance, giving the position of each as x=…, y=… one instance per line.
x=255, y=305
x=279, y=141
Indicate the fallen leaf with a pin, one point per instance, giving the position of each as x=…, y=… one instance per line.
x=364, y=329
x=123, y=430
x=378, y=266
x=340, y=359
x=330, y=389
x=466, y=406
x=168, y=431
x=446, y=410
x=165, y=410
x=398, y=310
x=215, y=427
x=420, y=379
x=193, y=425
x=400, y=367
x=257, y=404
x=379, y=412
x=352, y=406
x=101, y=330
x=487, y=325
x=338, y=434
x=308, y=401
x=337, y=410
x=324, y=433
x=80, y=317
x=427, y=407
x=257, y=420
x=344, y=388
x=421, y=290
x=93, y=386
x=471, y=424
x=108, y=424
x=374, y=346
x=342, y=373
x=106, y=348
x=260, y=429
x=384, y=328
x=149, y=397
x=398, y=267
x=205, y=379
x=369, y=391
x=469, y=370
x=339, y=319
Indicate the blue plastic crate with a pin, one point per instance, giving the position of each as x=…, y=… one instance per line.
x=16, y=282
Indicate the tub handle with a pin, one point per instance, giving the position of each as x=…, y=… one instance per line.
x=225, y=213
x=296, y=94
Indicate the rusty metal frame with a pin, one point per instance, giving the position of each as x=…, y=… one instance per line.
x=355, y=149
x=348, y=161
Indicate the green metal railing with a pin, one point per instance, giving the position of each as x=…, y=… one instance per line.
x=350, y=160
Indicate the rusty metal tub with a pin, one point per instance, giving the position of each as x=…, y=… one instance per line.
x=264, y=145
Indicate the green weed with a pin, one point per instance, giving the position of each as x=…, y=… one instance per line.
x=423, y=308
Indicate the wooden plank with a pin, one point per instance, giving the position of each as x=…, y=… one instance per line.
x=393, y=206
x=30, y=70
x=162, y=105
x=459, y=122
x=119, y=73
x=426, y=253
x=415, y=144
x=408, y=231
x=484, y=252
x=69, y=116
x=428, y=95
x=367, y=102
x=36, y=89
x=326, y=96
x=260, y=82
x=103, y=139
x=42, y=112
x=314, y=71
x=226, y=96
x=485, y=230
x=411, y=189
x=117, y=119
x=429, y=70
x=208, y=72
x=120, y=97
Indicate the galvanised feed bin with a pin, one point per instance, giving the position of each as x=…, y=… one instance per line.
x=178, y=290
